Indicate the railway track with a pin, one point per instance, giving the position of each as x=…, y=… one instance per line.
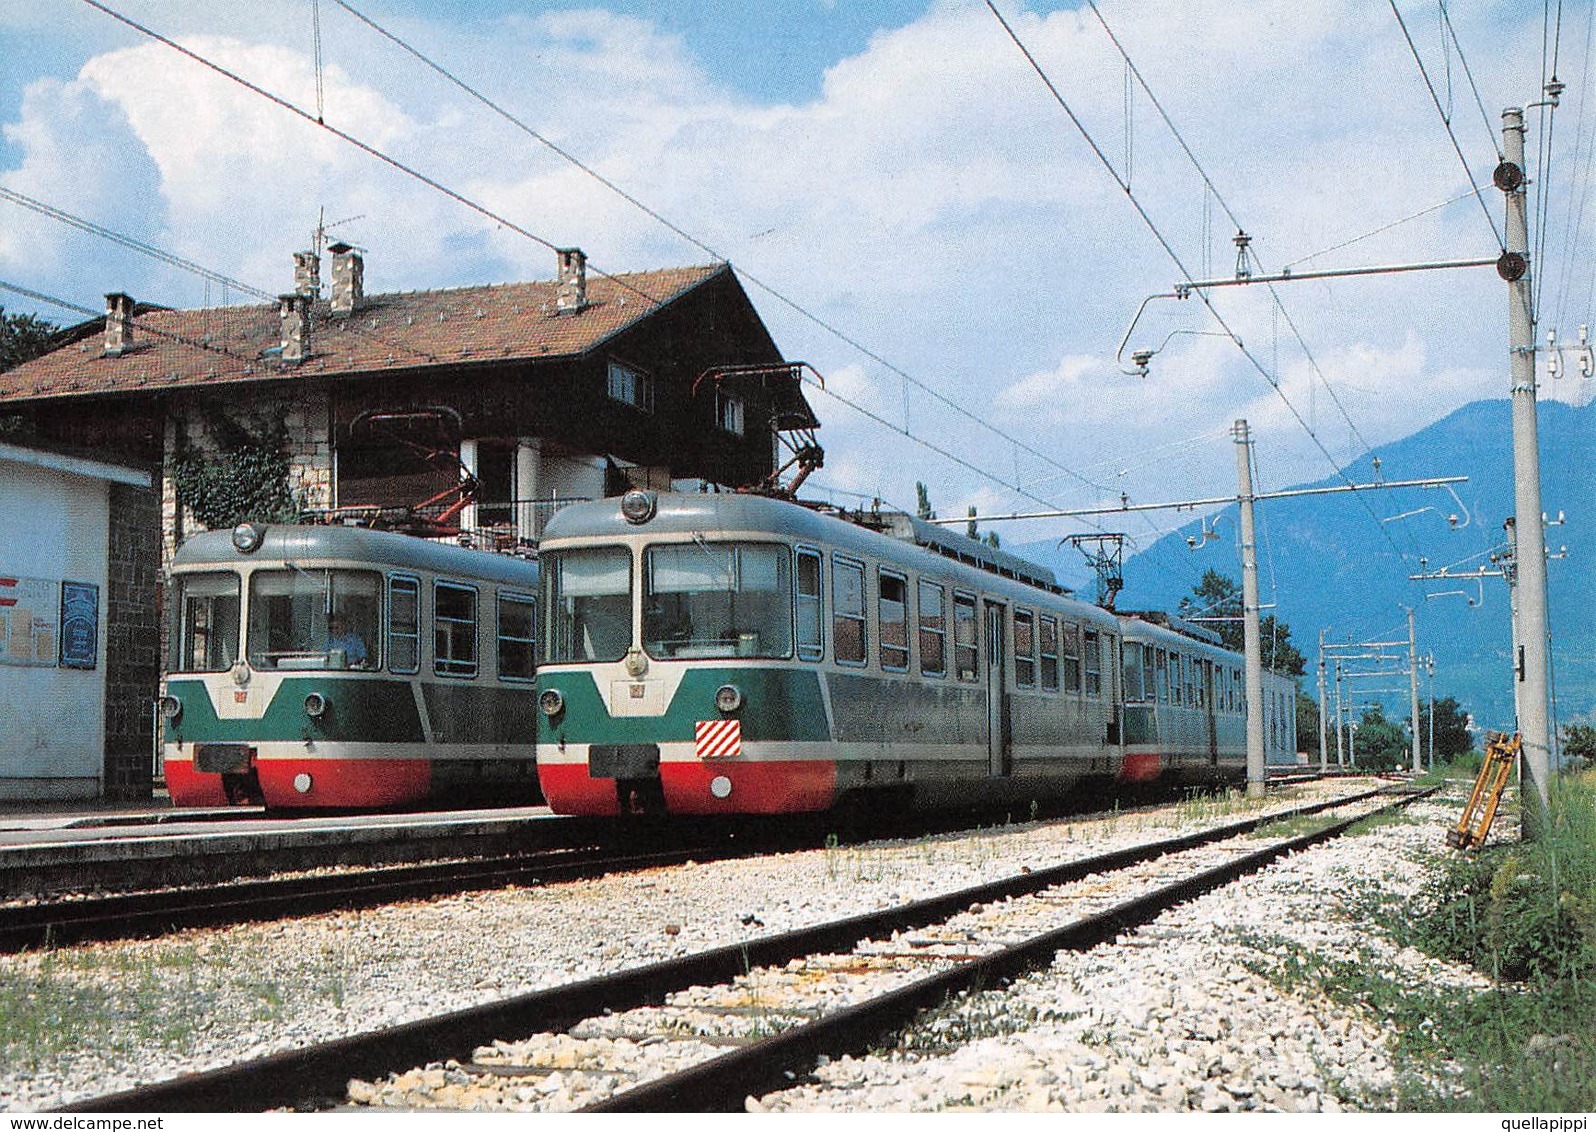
x=957, y=956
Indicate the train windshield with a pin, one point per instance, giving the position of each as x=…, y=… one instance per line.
x=704, y=599
x=207, y=636
x=589, y=599
x=302, y=618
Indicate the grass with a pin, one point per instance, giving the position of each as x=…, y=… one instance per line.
x=1524, y=916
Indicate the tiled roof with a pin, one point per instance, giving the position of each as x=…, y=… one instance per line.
x=402, y=331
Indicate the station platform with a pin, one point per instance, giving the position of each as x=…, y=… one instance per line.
x=48, y=848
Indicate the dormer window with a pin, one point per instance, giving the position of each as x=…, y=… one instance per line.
x=631, y=387
x=729, y=412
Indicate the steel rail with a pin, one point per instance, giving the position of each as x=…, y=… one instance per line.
x=723, y=1083
x=316, y=1076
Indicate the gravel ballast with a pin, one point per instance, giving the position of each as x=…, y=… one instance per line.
x=106, y=1017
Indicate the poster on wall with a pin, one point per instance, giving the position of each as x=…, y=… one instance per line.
x=30, y=621
x=80, y=624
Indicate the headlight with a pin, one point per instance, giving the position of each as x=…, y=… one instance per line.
x=728, y=698
x=638, y=506
x=551, y=702
x=247, y=537
x=315, y=705
x=171, y=707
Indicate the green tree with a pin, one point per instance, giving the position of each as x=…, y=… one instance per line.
x=1219, y=596
x=1380, y=744
x=922, y=502
x=1452, y=737
x=1308, y=726
x=1579, y=742
x=22, y=338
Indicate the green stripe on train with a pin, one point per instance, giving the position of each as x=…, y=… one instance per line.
x=778, y=703
x=360, y=710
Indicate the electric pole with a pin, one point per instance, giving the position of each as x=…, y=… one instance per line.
x=1251, y=637
x=1531, y=558
x=1413, y=691
x=1324, y=751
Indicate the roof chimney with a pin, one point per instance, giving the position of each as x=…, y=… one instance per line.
x=570, y=292
x=293, y=312
x=307, y=275
x=118, y=324
x=348, y=279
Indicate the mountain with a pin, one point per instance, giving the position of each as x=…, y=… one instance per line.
x=1334, y=567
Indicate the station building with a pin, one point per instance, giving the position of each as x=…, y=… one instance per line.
x=477, y=410
x=79, y=637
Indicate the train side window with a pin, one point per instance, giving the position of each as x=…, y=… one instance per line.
x=404, y=623
x=811, y=622
x=1093, y=651
x=893, y=605
x=454, y=635
x=1049, y=635
x=517, y=636
x=1072, y=659
x=933, y=630
x=1149, y=675
x=848, y=625
x=966, y=649
x=1024, y=648
x=1133, y=672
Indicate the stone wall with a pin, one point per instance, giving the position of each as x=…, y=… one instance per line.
x=132, y=640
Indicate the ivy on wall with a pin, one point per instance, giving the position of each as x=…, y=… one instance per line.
x=245, y=479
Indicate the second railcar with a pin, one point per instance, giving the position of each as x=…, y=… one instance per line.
x=330, y=667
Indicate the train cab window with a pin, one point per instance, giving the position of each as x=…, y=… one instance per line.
x=811, y=617
x=717, y=599
x=1072, y=659
x=208, y=633
x=1049, y=638
x=314, y=619
x=454, y=629
x=587, y=598
x=404, y=624
x=1024, y=648
x=1133, y=672
x=966, y=649
x=1093, y=656
x=893, y=607
x=517, y=636
x=848, y=625
x=933, y=630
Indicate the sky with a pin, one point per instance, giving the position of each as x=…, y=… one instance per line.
x=911, y=210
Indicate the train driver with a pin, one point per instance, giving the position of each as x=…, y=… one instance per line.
x=341, y=635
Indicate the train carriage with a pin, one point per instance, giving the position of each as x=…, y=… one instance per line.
x=716, y=654
x=340, y=667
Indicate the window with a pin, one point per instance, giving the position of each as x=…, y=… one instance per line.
x=966, y=650
x=631, y=387
x=811, y=623
x=454, y=629
x=1163, y=677
x=208, y=633
x=587, y=597
x=1149, y=676
x=300, y=618
x=404, y=623
x=1049, y=635
x=729, y=412
x=1024, y=648
x=1133, y=672
x=1094, y=663
x=893, y=606
x=933, y=630
x=717, y=599
x=517, y=636
x=848, y=611
x=1072, y=659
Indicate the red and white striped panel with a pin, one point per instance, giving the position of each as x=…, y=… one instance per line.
x=718, y=738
